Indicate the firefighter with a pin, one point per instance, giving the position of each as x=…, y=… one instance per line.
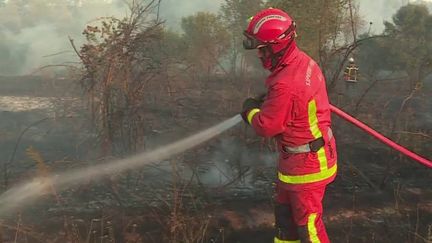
x=296, y=112
x=351, y=70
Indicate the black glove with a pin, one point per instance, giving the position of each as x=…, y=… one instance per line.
x=250, y=104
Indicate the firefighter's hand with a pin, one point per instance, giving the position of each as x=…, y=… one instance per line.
x=250, y=104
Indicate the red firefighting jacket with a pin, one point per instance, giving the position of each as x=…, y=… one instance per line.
x=296, y=111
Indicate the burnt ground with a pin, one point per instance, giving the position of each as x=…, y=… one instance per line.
x=378, y=195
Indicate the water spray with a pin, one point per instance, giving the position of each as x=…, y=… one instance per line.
x=30, y=191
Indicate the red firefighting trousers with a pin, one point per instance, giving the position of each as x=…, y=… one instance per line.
x=300, y=208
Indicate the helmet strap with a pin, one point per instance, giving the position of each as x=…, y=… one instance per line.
x=276, y=57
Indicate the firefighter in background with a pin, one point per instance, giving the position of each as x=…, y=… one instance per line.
x=350, y=77
x=296, y=112
x=351, y=71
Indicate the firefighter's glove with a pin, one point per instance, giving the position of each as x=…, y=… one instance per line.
x=250, y=107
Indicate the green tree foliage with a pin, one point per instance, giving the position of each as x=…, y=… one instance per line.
x=206, y=41
x=410, y=41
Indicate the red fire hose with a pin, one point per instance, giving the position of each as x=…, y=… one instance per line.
x=381, y=137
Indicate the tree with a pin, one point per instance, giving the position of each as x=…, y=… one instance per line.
x=319, y=22
x=410, y=41
x=206, y=41
x=118, y=60
x=410, y=49
x=406, y=49
x=235, y=14
x=327, y=31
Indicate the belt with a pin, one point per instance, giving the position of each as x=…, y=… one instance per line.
x=312, y=146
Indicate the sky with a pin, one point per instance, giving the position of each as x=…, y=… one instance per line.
x=30, y=46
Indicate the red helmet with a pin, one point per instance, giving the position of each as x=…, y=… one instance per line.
x=271, y=28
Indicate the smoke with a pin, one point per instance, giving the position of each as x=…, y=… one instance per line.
x=35, y=34
x=31, y=32
x=173, y=10
x=231, y=159
x=28, y=50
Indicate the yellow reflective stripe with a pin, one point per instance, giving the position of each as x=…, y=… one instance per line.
x=316, y=133
x=308, y=178
x=251, y=114
x=313, y=236
x=276, y=240
x=313, y=119
x=322, y=158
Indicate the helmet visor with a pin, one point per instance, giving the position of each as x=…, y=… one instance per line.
x=250, y=42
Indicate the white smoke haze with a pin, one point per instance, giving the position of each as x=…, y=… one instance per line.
x=31, y=35
x=36, y=50
x=231, y=155
x=173, y=10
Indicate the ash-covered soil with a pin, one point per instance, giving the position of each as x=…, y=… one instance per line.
x=224, y=185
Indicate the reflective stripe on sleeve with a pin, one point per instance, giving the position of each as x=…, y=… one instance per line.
x=251, y=114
